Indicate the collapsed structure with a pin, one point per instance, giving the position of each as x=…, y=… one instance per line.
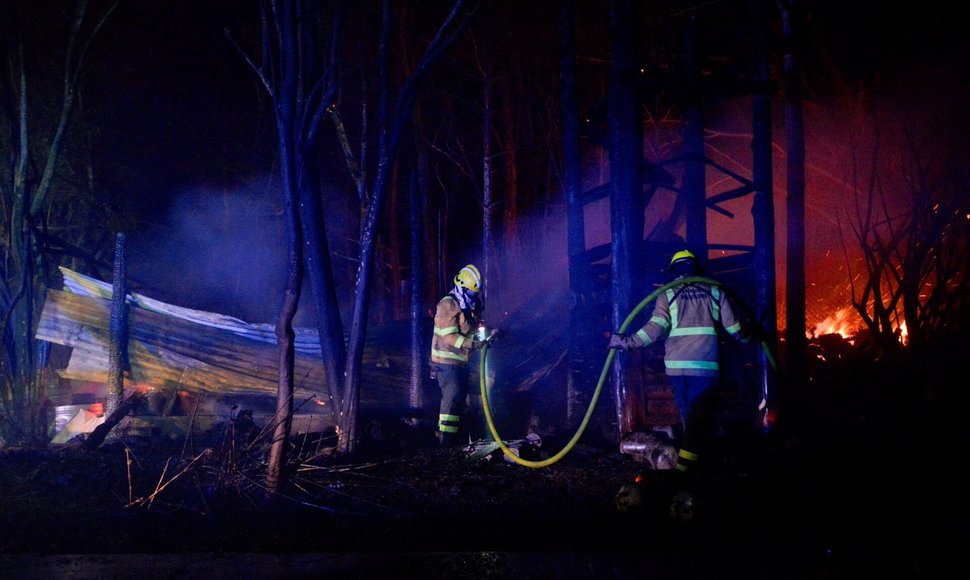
x=172, y=350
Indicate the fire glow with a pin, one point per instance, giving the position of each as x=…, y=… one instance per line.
x=838, y=323
x=841, y=323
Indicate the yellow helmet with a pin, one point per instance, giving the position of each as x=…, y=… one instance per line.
x=469, y=277
x=681, y=256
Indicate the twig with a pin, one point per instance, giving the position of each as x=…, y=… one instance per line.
x=159, y=486
x=262, y=486
x=128, y=467
x=162, y=483
x=191, y=425
x=305, y=436
x=305, y=467
x=268, y=428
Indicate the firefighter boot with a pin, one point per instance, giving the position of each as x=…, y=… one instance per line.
x=685, y=502
x=446, y=439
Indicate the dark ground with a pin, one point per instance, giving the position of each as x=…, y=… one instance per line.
x=771, y=506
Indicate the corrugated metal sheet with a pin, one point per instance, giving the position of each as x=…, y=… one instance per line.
x=306, y=339
x=172, y=347
x=166, y=351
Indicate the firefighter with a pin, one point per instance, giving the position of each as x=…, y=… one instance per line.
x=456, y=321
x=687, y=317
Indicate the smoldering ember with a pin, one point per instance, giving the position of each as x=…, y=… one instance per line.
x=573, y=289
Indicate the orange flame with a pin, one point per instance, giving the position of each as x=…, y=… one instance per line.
x=841, y=323
x=838, y=323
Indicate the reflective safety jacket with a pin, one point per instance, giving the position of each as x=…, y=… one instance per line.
x=688, y=317
x=454, y=332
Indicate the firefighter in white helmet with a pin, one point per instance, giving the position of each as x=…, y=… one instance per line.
x=456, y=321
x=687, y=317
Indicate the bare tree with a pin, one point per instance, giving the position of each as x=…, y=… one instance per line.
x=394, y=119
x=580, y=281
x=302, y=89
x=914, y=247
x=33, y=161
x=626, y=182
x=795, y=340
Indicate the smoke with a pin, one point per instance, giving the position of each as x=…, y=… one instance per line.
x=529, y=266
x=217, y=250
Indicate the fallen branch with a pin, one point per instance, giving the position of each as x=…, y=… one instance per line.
x=97, y=437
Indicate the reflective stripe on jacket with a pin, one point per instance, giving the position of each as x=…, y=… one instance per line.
x=453, y=334
x=687, y=316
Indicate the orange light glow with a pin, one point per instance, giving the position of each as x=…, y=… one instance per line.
x=844, y=324
x=839, y=323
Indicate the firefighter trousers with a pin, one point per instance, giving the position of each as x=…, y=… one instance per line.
x=453, y=382
x=696, y=401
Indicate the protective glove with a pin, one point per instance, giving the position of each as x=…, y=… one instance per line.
x=491, y=338
x=621, y=342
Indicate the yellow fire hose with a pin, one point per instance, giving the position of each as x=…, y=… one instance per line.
x=599, y=385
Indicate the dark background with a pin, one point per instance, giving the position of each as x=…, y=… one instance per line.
x=182, y=139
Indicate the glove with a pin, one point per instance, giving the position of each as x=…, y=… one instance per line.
x=621, y=342
x=491, y=338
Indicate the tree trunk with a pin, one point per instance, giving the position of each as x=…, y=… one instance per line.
x=347, y=425
x=763, y=208
x=394, y=249
x=418, y=270
x=118, y=352
x=393, y=123
x=319, y=270
x=286, y=97
x=283, y=418
x=579, y=277
x=290, y=65
x=795, y=340
x=488, y=203
x=626, y=160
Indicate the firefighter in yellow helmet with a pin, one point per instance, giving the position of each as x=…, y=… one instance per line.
x=687, y=317
x=456, y=321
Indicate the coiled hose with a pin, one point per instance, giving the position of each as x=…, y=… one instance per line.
x=599, y=384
